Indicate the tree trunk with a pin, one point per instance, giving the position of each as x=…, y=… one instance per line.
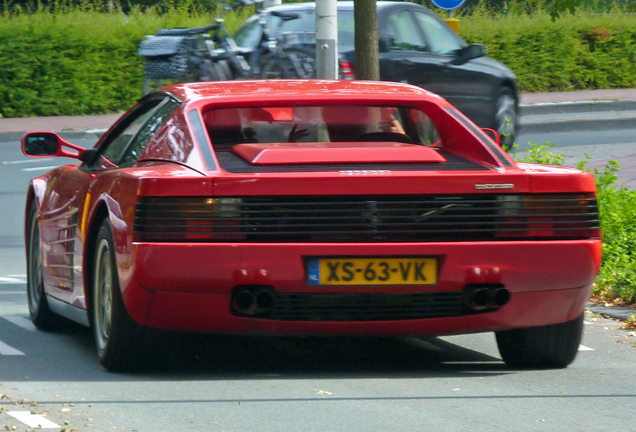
x=367, y=63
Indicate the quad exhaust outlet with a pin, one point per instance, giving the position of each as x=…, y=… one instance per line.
x=484, y=296
x=253, y=301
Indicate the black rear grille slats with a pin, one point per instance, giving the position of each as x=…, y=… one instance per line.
x=365, y=307
x=392, y=218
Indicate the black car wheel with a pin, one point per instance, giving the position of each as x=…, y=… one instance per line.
x=117, y=336
x=39, y=310
x=545, y=347
x=505, y=121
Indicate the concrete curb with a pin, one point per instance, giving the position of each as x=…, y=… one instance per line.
x=575, y=107
x=578, y=115
x=621, y=313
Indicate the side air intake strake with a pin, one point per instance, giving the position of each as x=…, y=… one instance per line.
x=382, y=218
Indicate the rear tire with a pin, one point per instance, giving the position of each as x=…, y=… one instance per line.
x=117, y=337
x=39, y=311
x=546, y=347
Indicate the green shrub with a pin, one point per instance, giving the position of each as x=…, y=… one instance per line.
x=617, y=206
x=580, y=51
x=81, y=60
x=80, y=56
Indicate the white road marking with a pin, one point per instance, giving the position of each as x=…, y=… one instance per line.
x=28, y=161
x=584, y=348
x=20, y=321
x=11, y=280
x=33, y=420
x=9, y=350
x=47, y=168
x=96, y=131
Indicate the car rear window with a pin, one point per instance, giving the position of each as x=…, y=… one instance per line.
x=315, y=124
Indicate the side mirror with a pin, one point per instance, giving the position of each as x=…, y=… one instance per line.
x=492, y=134
x=49, y=144
x=468, y=53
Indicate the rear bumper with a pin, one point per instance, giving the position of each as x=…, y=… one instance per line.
x=188, y=286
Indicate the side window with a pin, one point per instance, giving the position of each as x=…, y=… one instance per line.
x=440, y=37
x=404, y=34
x=112, y=150
x=147, y=131
x=424, y=128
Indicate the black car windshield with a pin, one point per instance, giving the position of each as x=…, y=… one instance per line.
x=249, y=34
x=319, y=124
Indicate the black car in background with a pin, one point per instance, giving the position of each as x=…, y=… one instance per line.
x=416, y=47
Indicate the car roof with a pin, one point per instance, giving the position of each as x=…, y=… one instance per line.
x=263, y=91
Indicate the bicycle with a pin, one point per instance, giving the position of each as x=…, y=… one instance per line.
x=294, y=56
x=283, y=55
x=210, y=54
x=181, y=55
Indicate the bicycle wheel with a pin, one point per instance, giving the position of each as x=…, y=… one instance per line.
x=290, y=63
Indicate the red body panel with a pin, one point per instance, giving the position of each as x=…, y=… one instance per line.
x=188, y=286
x=558, y=276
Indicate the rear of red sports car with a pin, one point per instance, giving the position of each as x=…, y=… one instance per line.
x=309, y=208
x=360, y=209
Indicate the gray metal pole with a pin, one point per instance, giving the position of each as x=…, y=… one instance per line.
x=326, y=39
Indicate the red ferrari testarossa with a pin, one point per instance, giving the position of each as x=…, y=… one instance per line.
x=309, y=208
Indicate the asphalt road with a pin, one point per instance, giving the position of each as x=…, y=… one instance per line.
x=203, y=383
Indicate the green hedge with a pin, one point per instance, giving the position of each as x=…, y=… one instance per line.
x=576, y=52
x=74, y=62
x=80, y=60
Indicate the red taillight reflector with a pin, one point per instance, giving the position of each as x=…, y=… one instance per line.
x=346, y=70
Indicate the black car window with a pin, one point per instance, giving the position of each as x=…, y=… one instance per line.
x=441, y=39
x=113, y=148
x=249, y=34
x=148, y=131
x=404, y=34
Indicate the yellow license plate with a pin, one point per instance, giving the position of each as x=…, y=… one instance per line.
x=372, y=271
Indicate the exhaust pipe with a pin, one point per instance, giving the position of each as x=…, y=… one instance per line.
x=484, y=296
x=244, y=302
x=253, y=301
x=500, y=296
x=264, y=300
x=479, y=298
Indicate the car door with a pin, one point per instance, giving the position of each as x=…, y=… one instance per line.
x=64, y=208
x=406, y=55
x=467, y=85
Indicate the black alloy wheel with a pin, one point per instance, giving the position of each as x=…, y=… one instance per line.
x=39, y=311
x=117, y=337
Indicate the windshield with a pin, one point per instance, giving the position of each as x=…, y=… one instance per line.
x=319, y=124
